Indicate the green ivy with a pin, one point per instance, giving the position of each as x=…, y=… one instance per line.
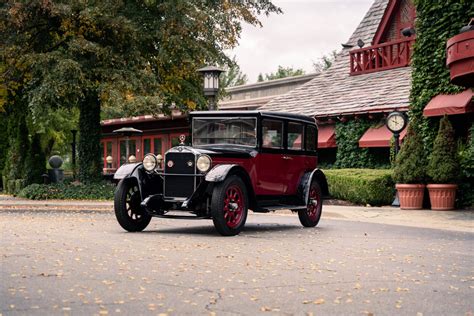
x=436, y=22
x=69, y=191
x=349, y=154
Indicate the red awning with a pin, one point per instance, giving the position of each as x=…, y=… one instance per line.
x=326, y=136
x=378, y=137
x=450, y=104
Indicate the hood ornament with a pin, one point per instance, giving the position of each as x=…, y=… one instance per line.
x=182, y=138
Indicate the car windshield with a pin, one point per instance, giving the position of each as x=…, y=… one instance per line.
x=235, y=131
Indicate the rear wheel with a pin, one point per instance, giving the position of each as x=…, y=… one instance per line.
x=127, y=207
x=310, y=216
x=229, y=206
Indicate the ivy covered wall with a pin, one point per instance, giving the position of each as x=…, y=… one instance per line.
x=436, y=22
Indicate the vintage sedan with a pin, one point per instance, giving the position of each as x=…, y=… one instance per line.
x=233, y=162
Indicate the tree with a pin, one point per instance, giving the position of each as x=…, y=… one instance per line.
x=233, y=76
x=139, y=56
x=324, y=62
x=282, y=72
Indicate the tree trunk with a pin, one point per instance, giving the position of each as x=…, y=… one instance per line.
x=89, y=140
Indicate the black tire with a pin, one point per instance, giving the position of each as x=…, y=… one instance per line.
x=229, y=206
x=310, y=216
x=127, y=207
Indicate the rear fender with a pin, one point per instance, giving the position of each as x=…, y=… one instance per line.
x=305, y=182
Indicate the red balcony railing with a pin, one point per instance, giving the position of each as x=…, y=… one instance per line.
x=381, y=57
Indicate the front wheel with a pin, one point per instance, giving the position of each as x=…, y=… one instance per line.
x=310, y=216
x=127, y=207
x=229, y=206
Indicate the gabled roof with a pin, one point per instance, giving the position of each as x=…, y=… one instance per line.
x=335, y=92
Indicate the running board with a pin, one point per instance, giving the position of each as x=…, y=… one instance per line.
x=181, y=216
x=280, y=207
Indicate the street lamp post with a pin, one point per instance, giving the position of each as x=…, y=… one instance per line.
x=211, y=84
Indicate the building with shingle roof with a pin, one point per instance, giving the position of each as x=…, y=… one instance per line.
x=339, y=92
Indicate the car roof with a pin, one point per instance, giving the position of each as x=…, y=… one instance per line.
x=278, y=115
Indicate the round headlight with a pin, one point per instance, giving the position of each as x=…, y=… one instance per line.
x=149, y=162
x=203, y=163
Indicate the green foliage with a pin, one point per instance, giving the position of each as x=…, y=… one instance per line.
x=349, y=154
x=282, y=72
x=443, y=164
x=410, y=164
x=436, y=22
x=361, y=186
x=233, y=76
x=69, y=191
x=324, y=62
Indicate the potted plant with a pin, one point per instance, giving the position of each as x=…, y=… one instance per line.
x=409, y=171
x=443, y=168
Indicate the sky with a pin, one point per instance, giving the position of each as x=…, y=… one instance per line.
x=307, y=30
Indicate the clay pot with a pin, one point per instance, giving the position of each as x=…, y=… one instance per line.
x=410, y=196
x=442, y=196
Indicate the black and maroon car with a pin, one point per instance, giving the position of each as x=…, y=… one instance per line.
x=234, y=161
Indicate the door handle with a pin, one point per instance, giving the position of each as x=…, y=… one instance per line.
x=287, y=158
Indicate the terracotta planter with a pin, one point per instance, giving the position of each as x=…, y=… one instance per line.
x=442, y=196
x=410, y=196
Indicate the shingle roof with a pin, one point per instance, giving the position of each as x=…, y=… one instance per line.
x=335, y=92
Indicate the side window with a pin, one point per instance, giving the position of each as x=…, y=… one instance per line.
x=272, y=132
x=311, y=138
x=295, y=136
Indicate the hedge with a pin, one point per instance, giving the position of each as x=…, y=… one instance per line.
x=361, y=186
x=71, y=191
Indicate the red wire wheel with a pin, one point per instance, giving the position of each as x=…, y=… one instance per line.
x=310, y=216
x=229, y=206
x=234, y=205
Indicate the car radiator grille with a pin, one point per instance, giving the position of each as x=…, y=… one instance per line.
x=183, y=184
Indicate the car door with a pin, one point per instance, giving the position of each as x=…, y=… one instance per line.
x=295, y=160
x=270, y=164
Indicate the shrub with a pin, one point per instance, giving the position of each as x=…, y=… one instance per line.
x=69, y=191
x=410, y=164
x=466, y=185
x=443, y=165
x=361, y=186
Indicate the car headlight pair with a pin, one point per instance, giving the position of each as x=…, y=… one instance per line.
x=203, y=162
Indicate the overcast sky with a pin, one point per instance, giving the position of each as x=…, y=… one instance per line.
x=305, y=31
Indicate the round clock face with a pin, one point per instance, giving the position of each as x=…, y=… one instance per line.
x=396, y=122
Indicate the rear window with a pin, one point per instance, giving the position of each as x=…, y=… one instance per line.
x=311, y=138
x=295, y=136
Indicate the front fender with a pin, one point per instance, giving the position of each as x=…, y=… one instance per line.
x=219, y=173
x=126, y=170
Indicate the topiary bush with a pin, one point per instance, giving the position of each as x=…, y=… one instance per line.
x=466, y=185
x=361, y=186
x=443, y=164
x=410, y=164
x=69, y=191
